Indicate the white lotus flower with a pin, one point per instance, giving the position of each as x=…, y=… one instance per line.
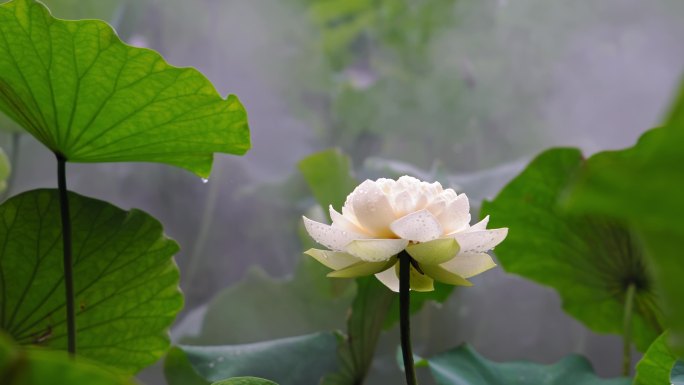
x=382, y=218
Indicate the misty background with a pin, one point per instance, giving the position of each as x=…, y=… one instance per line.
x=460, y=91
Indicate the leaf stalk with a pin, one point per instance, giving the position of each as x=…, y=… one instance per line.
x=627, y=330
x=67, y=253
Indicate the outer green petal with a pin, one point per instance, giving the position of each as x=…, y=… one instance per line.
x=361, y=269
x=442, y=275
x=376, y=250
x=389, y=278
x=419, y=281
x=434, y=252
x=332, y=259
x=469, y=264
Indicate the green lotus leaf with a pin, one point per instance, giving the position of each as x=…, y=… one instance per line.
x=643, y=186
x=91, y=98
x=591, y=261
x=49, y=367
x=288, y=361
x=655, y=366
x=125, y=280
x=245, y=381
x=306, y=302
x=464, y=366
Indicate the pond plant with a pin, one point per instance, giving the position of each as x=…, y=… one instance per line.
x=88, y=290
x=407, y=233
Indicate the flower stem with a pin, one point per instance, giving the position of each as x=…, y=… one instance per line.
x=68, y=263
x=627, y=330
x=405, y=316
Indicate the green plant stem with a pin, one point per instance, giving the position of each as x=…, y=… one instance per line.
x=405, y=316
x=68, y=263
x=627, y=330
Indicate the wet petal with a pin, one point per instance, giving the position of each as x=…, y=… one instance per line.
x=389, y=278
x=328, y=236
x=420, y=226
x=469, y=264
x=443, y=275
x=448, y=195
x=434, y=252
x=403, y=204
x=362, y=268
x=372, y=209
x=456, y=216
x=480, y=240
x=437, y=206
x=481, y=225
x=332, y=259
x=344, y=223
x=376, y=250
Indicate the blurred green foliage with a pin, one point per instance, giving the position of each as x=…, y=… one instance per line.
x=305, y=303
x=352, y=31
x=356, y=349
x=328, y=175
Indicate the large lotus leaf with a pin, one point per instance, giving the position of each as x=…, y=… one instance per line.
x=464, y=366
x=590, y=261
x=655, y=366
x=125, y=280
x=289, y=361
x=643, y=186
x=89, y=97
x=48, y=367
